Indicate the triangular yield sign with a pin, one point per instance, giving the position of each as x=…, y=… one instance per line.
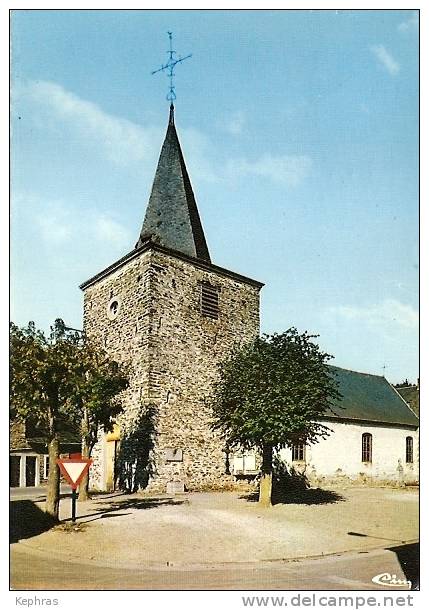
x=74, y=470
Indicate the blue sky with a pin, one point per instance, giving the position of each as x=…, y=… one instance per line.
x=300, y=132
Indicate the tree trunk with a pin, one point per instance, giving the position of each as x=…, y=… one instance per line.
x=266, y=482
x=84, y=484
x=52, y=504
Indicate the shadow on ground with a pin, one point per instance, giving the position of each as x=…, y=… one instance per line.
x=139, y=503
x=361, y=535
x=291, y=486
x=304, y=496
x=409, y=557
x=27, y=520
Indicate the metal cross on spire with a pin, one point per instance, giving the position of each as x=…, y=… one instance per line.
x=169, y=66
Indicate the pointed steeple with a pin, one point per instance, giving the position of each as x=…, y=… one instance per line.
x=172, y=218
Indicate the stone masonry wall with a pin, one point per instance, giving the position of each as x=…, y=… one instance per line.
x=174, y=351
x=125, y=338
x=187, y=348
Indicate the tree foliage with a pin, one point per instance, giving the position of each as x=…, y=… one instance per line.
x=273, y=392
x=43, y=375
x=98, y=392
x=62, y=378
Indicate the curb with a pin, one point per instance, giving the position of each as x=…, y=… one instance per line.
x=184, y=566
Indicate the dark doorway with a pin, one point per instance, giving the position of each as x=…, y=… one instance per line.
x=30, y=471
x=15, y=463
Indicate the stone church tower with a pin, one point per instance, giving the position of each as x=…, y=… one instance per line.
x=172, y=315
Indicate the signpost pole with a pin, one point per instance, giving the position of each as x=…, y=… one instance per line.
x=73, y=504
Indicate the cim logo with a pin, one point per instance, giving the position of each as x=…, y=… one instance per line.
x=390, y=580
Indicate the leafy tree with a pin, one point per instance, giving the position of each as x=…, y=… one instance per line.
x=56, y=379
x=43, y=371
x=271, y=394
x=98, y=400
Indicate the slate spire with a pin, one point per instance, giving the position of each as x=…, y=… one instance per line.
x=172, y=218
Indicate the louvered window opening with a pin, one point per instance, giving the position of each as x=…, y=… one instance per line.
x=366, y=447
x=209, y=301
x=409, y=450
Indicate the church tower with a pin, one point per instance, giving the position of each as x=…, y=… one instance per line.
x=172, y=315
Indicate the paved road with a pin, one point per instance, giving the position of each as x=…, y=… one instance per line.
x=34, y=493
x=32, y=570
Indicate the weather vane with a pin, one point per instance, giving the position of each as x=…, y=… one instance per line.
x=169, y=66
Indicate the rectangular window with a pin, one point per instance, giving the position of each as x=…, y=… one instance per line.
x=45, y=466
x=298, y=452
x=210, y=301
x=366, y=447
x=409, y=450
x=249, y=462
x=238, y=464
x=244, y=463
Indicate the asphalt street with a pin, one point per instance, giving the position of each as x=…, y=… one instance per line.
x=33, y=570
x=35, y=493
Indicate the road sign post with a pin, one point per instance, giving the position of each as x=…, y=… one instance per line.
x=73, y=505
x=73, y=470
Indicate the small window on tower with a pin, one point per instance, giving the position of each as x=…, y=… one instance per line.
x=113, y=308
x=210, y=301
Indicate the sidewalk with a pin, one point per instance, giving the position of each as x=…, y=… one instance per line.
x=217, y=528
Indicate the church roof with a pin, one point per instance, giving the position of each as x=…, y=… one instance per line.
x=172, y=218
x=369, y=398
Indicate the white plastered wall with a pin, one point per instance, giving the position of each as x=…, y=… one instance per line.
x=340, y=454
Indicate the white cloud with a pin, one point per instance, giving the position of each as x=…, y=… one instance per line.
x=410, y=24
x=52, y=219
x=388, y=312
x=385, y=59
x=111, y=231
x=55, y=224
x=197, y=151
x=235, y=124
x=125, y=142
x=288, y=169
x=59, y=222
x=122, y=140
